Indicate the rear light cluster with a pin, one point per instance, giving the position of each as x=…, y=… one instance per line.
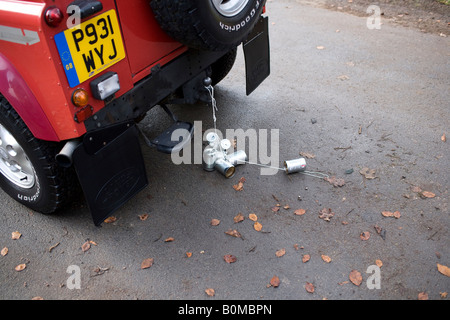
x=53, y=16
x=104, y=87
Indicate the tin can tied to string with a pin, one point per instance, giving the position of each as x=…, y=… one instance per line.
x=295, y=165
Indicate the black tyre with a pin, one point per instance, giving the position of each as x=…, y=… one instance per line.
x=28, y=171
x=216, y=25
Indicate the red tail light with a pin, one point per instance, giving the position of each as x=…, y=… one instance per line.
x=53, y=16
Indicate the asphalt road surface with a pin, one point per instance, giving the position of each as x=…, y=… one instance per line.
x=348, y=98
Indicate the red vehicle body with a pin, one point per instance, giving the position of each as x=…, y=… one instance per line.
x=57, y=60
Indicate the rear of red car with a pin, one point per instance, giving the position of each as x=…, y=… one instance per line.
x=78, y=75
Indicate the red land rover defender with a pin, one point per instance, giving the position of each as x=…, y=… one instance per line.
x=77, y=75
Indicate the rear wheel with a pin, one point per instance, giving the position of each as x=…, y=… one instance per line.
x=28, y=170
x=218, y=25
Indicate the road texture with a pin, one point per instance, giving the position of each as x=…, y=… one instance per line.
x=350, y=99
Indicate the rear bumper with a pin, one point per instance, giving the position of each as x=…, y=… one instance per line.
x=147, y=93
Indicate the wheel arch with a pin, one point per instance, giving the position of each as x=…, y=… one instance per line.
x=14, y=88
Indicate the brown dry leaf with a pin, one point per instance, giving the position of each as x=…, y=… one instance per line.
x=443, y=138
x=233, y=233
x=309, y=287
x=397, y=214
x=110, y=219
x=276, y=209
x=287, y=207
x=20, y=267
x=253, y=217
x=326, y=258
x=422, y=296
x=365, y=235
x=238, y=218
x=215, y=222
x=4, y=251
x=143, y=216
x=355, y=277
x=239, y=186
x=320, y=47
x=368, y=173
x=229, y=258
x=169, y=239
x=300, y=212
x=275, y=281
x=210, y=292
x=387, y=214
x=326, y=214
x=427, y=194
x=337, y=182
x=86, y=246
x=147, y=263
x=188, y=254
x=257, y=226
x=307, y=155
x=280, y=252
x=379, y=263
x=443, y=269
x=443, y=294
x=306, y=258
x=15, y=235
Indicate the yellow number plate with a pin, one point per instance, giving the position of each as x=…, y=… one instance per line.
x=91, y=47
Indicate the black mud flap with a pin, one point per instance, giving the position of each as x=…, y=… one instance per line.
x=257, y=55
x=110, y=168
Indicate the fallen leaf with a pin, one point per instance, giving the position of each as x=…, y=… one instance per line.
x=215, y=222
x=229, y=258
x=4, y=251
x=188, y=254
x=238, y=218
x=275, y=281
x=110, y=219
x=233, y=233
x=422, y=296
x=15, y=235
x=306, y=258
x=343, y=77
x=300, y=212
x=143, y=216
x=309, y=287
x=147, y=263
x=86, y=246
x=337, y=182
x=320, y=47
x=253, y=217
x=443, y=138
x=365, y=235
x=326, y=258
x=355, y=277
x=169, y=239
x=443, y=294
x=395, y=214
x=443, y=269
x=210, y=292
x=427, y=194
x=368, y=173
x=257, y=226
x=326, y=214
x=280, y=252
x=379, y=263
x=20, y=267
x=287, y=207
x=307, y=155
x=239, y=186
x=276, y=209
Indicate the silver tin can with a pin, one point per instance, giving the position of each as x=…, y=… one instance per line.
x=225, y=168
x=237, y=158
x=295, y=165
